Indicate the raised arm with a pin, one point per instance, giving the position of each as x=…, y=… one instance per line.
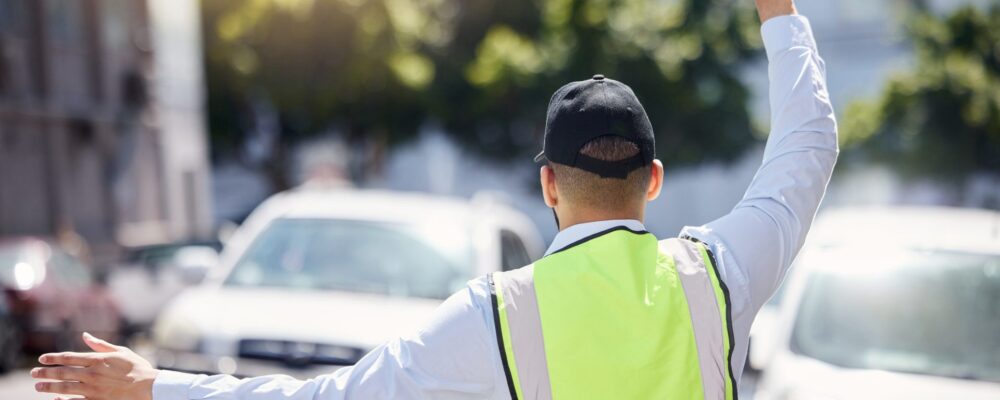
x=763, y=233
x=768, y=9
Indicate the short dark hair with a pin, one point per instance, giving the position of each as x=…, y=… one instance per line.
x=591, y=190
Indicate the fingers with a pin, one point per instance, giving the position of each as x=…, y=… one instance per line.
x=63, y=374
x=62, y=388
x=98, y=345
x=70, y=359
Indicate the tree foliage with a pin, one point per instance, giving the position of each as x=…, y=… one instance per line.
x=941, y=119
x=483, y=69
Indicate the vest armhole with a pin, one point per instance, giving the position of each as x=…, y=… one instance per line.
x=499, y=333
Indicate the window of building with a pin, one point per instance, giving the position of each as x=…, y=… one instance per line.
x=64, y=21
x=12, y=17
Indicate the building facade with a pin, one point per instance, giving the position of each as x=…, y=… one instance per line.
x=101, y=122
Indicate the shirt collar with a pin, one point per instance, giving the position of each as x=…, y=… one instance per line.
x=578, y=232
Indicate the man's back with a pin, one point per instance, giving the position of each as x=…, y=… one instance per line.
x=617, y=314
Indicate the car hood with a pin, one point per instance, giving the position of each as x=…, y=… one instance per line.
x=334, y=317
x=806, y=378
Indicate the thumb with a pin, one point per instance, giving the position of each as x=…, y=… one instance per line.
x=98, y=345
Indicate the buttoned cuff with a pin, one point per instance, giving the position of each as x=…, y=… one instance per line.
x=784, y=32
x=171, y=385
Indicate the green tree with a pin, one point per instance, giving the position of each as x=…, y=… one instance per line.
x=679, y=57
x=319, y=62
x=483, y=69
x=942, y=119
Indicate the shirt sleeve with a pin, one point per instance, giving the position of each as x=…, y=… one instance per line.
x=758, y=240
x=453, y=357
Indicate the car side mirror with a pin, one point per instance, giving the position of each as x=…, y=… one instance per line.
x=195, y=262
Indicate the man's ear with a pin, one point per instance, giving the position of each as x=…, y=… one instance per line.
x=655, y=181
x=547, y=177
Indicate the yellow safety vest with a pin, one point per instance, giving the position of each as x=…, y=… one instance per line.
x=617, y=315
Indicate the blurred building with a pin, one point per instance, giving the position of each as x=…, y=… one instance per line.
x=101, y=121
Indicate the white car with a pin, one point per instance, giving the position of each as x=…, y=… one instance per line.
x=314, y=279
x=889, y=303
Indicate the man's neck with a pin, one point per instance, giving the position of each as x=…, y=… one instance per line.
x=578, y=232
x=583, y=218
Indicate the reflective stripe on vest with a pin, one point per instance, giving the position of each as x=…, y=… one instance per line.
x=617, y=315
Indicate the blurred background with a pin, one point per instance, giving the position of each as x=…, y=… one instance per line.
x=178, y=175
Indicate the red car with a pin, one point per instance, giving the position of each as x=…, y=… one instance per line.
x=53, y=296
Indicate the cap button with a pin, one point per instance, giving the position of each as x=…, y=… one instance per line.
x=598, y=77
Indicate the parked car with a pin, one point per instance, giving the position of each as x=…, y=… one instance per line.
x=150, y=276
x=314, y=279
x=54, y=296
x=890, y=303
x=10, y=337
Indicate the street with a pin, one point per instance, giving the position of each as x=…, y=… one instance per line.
x=18, y=385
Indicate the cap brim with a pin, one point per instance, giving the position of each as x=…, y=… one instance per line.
x=541, y=158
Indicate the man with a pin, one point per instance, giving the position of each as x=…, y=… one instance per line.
x=609, y=312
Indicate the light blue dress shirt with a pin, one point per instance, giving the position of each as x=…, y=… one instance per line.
x=455, y=355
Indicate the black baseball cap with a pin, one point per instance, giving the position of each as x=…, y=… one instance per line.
x=582, y=111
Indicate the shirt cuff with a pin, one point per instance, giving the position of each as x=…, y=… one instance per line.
x=786, y=31
x=171, y=385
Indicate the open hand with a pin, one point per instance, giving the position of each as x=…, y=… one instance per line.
x=110, y=373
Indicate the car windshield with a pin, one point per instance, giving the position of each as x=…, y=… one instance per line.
x=359, y=256
x=935, y=313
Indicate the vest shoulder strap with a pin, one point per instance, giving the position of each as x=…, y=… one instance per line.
x=708, y=302
x=519, y=333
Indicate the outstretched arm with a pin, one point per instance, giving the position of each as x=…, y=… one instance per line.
x=451, y=358
x=758, y=240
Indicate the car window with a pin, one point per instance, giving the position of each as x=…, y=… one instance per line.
x=359, y=256
x=14, y=275
x=512, y=251
x=933, y=313
x=153, y=255
x=22, y=265
x=10, y=256
x=69, y=270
